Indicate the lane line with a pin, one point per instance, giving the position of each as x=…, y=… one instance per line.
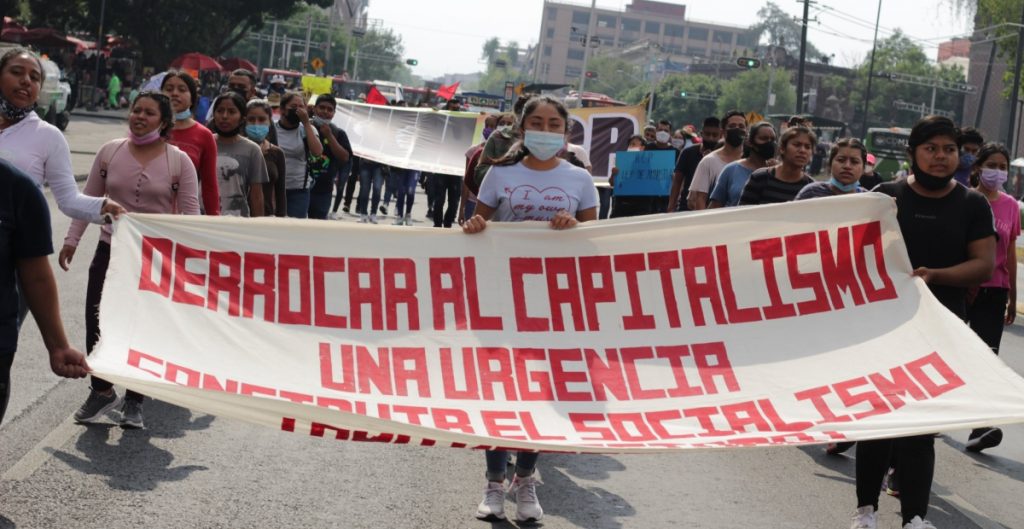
x=34, y=458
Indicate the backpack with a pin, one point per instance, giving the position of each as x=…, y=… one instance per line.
x=173, y=167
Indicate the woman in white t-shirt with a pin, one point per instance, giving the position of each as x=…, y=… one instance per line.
x=530, y=183
x=35, y=146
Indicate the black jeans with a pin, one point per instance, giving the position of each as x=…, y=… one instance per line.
x=6, y=360
x=450, y=186
x=93, y=293
x=987, y=314
x=916, y=456
x=350, y=189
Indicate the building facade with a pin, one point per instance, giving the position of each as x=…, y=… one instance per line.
x=659, y=27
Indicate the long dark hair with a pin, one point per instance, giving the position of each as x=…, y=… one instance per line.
x=236, y=99
x=166, y=112
x=190, y=82
x=987, y=151
x=518, y=151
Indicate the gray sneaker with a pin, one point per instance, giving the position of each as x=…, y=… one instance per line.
x=131, y=415
x=96, y=406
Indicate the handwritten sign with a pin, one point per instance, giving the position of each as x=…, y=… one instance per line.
x=644, y=173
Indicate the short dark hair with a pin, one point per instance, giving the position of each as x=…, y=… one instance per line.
x=190, y=82
x=853, y=143
x=930, y=127
x=794, y=131
x=326, y=98
x=665, y=122
x=244, y=72
x=970, y=135
x=732, y=113
x=287, y=98
x=711, y=122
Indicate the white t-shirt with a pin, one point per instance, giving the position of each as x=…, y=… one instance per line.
x=40, y=150
x=519, y=193
x=581, y=154
x=707, y=172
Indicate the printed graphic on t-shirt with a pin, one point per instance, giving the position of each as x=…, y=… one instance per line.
x=529, y=203
x=232, y=194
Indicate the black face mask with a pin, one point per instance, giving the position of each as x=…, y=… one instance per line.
x=292, y=115
x=229, y=133
x=928, y=181
x=734, y=137
x=765, y=150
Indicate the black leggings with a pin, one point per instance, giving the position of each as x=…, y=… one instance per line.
x=93, y=293
x=916, y=456
x=987, y=315
x=5, y=382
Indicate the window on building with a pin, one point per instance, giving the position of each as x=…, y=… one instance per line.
x=723, y=37
x=575, y=55
x=698, y=33
x=552, y=13
x=653, y=28
x=674, y=49
x=674, y=31
x=547, y=51
x=607, y=21
x=629, y=24
x=551, y=33
x=573, y=71
x=580, y=18
x=745, y=40
x=697, y=51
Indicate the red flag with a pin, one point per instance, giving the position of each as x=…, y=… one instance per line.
x=447, y=92
x=374, y=97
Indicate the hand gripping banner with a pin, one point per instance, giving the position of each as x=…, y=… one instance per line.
x=776, y=325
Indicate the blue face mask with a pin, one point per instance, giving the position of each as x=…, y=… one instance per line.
x=845, y=188
x=967, y=160
x=543, y=145
x=183, y=115
x=257, y=133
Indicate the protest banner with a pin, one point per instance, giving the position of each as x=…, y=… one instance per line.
x=436, y=141
x=644, y=173
x=314, y=86
x=720, y=329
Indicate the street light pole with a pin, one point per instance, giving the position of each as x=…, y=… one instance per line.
x=803, y=60
x=1011, y=140
x=871, y=74
x=591, y=23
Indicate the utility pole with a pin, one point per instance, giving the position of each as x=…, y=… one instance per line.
x=984, y=84
x=305, y=53
x=592, y=22
x=871, y=73
x=1011, y=142
x=273, y=45
x=803, y=59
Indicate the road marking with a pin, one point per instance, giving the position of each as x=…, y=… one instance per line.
x=34, y=458
x=965, y=507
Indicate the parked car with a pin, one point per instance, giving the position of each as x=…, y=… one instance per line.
x=53, y=96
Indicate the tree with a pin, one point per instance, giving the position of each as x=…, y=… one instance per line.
x=899, y=54
x=490, y=49
x=670, y=103
x=164, y=30
x=748, y=92
x=615, y=76
x=779, y=28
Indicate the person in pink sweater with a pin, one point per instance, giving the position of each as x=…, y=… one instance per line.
x=145, y=174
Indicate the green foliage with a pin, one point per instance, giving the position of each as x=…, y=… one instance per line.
x=494, y=77
x=899, y=54
x=615, y=76
x=675, y=108
x=164, y=30
x=779, y=28
x=748, y=92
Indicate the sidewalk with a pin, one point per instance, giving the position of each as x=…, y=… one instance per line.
x=100, y=113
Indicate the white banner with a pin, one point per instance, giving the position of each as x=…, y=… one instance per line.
x=740, y=327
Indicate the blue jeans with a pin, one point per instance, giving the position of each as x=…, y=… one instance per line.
x=391, y=183
x=406, y=181
x=319, y=205
x=526, y=462
x=604, y=196
x=298, y=202
x=369, y=174
x=340, y=182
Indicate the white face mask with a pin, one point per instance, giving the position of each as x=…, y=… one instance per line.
x=678, y=142
x=662, y=136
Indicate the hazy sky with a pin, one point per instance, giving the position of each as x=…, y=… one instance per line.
x=446, y=36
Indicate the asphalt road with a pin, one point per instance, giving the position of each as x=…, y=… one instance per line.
x=195, y=470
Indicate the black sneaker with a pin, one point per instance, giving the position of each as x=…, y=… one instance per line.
x=131, y=415
x=96, y=406
x=986, y=438
x=344, y=209
x=834, y=449
x=383, y=210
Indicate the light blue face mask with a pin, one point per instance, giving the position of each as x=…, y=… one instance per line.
x=543, y=145
x=845, y=188
x=183, y=115
x=257, y=133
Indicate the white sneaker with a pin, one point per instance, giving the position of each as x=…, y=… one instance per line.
x=492, y=507
x=407, y=221
x=364, y=218
x=373, y=219
x=399, y=221
x=866, y=518
x=524, y=490
x=918, y=523
x=332, y=216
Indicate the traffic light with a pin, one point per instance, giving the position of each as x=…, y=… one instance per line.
x=412, y=62
x=748, y=63
x=682, y=94
x=591, y=74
